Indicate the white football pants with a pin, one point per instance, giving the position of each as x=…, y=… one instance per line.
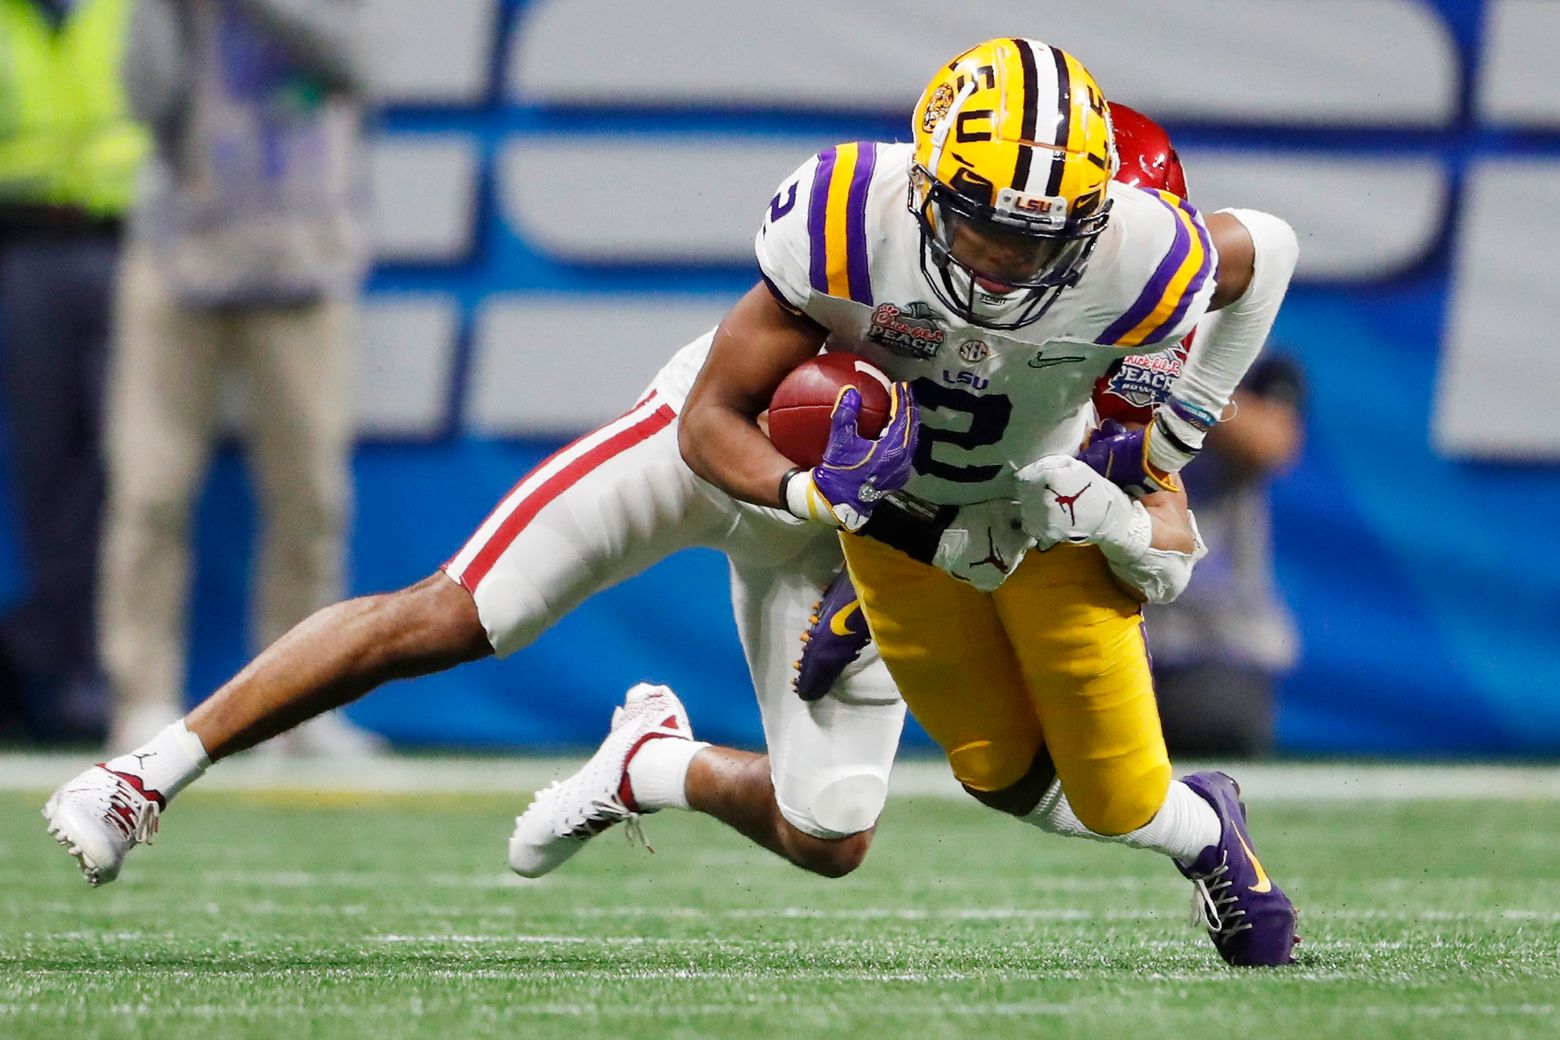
x=618, y=500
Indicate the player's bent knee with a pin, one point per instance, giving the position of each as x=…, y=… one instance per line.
x=428, y=626
x=1021, y=797
x=842, y=808
x=987, y=767
x=1122, y=807
x=828, y=857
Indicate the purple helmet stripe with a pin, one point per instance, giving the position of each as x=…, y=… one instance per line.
x=1197, y=282
x=1149, y=298
x=817, y=224
x=856, y=224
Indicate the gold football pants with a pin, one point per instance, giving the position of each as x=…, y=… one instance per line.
x=1055, y=658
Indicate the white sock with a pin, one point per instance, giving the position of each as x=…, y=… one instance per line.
x=167, y=763
x=1184, y=826
x=658, y=772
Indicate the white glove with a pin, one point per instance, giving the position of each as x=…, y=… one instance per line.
x=983, y=544
x=1060, y=499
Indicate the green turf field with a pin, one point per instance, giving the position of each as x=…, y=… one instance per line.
x=266, y=915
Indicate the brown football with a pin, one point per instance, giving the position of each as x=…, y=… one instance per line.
x=801, y=406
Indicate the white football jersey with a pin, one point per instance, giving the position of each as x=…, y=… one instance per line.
x=840, y=244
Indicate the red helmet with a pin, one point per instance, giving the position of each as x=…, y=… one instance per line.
x=1148, y=159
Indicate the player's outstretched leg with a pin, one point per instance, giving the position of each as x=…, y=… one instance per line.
x=1251, y=921
x=104, y=812
x=567, y=813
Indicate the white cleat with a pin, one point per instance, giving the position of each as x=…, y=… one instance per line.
x=567, y=813
x=99, y=817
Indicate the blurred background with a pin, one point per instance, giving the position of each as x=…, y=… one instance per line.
x=560, y=193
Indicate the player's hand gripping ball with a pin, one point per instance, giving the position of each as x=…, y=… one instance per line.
x=850, y=458
x=803, y=404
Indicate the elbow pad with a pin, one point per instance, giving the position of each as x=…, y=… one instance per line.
x=1157, y=575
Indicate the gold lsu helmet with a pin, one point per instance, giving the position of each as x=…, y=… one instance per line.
x=1014, y=148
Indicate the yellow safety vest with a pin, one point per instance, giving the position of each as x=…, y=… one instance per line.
x=66, y=136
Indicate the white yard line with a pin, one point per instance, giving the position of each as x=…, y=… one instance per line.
x=519, y=775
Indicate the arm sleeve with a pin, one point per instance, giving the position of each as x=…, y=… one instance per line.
x=1229, y=340
x=323, y=36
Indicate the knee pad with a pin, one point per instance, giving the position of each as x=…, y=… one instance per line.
x=844, y=806
x=1022, y=796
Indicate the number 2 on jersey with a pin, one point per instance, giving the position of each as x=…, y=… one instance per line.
x=989, y=415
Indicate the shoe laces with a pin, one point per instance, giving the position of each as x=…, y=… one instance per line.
x=1215, y=905
x=135, y=816
x=589, y=815
x=146, y=827
x=634, y=831
x=598, y=815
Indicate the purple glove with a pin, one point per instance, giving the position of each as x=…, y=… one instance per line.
x=856, y=471
x=1120, y=456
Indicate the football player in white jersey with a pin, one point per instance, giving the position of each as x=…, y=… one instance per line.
x=1041, y=272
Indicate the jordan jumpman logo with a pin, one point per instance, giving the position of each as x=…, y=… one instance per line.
x=1070, y=502
x=995, y=559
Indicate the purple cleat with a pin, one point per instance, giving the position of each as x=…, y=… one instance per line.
x=1251, y=921
x=836, y=637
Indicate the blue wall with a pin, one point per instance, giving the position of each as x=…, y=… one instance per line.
x=1424, y=587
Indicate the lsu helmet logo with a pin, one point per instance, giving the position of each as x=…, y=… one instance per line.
x=1042, y=211
x=937, y=107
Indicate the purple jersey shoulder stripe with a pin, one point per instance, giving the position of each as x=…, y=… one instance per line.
x=1197, y=282
x=817, y=223
x=856, y=266
x=1149, y=298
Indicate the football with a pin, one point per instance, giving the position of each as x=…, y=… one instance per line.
x=800, y=408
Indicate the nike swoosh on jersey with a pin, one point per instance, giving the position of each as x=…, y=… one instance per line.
x=1041, y=361
x=839, y=624
x=1263, y=884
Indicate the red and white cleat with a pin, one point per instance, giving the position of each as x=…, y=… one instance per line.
x=567, y=813
x=101, y=815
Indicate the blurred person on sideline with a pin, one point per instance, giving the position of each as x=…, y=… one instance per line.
x=68, y=155
x=246, y=253
x=1219, y=650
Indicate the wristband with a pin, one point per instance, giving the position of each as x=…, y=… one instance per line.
x=1175, y=442
x=803, y=499
x=1198, y=418
x=785, y=478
